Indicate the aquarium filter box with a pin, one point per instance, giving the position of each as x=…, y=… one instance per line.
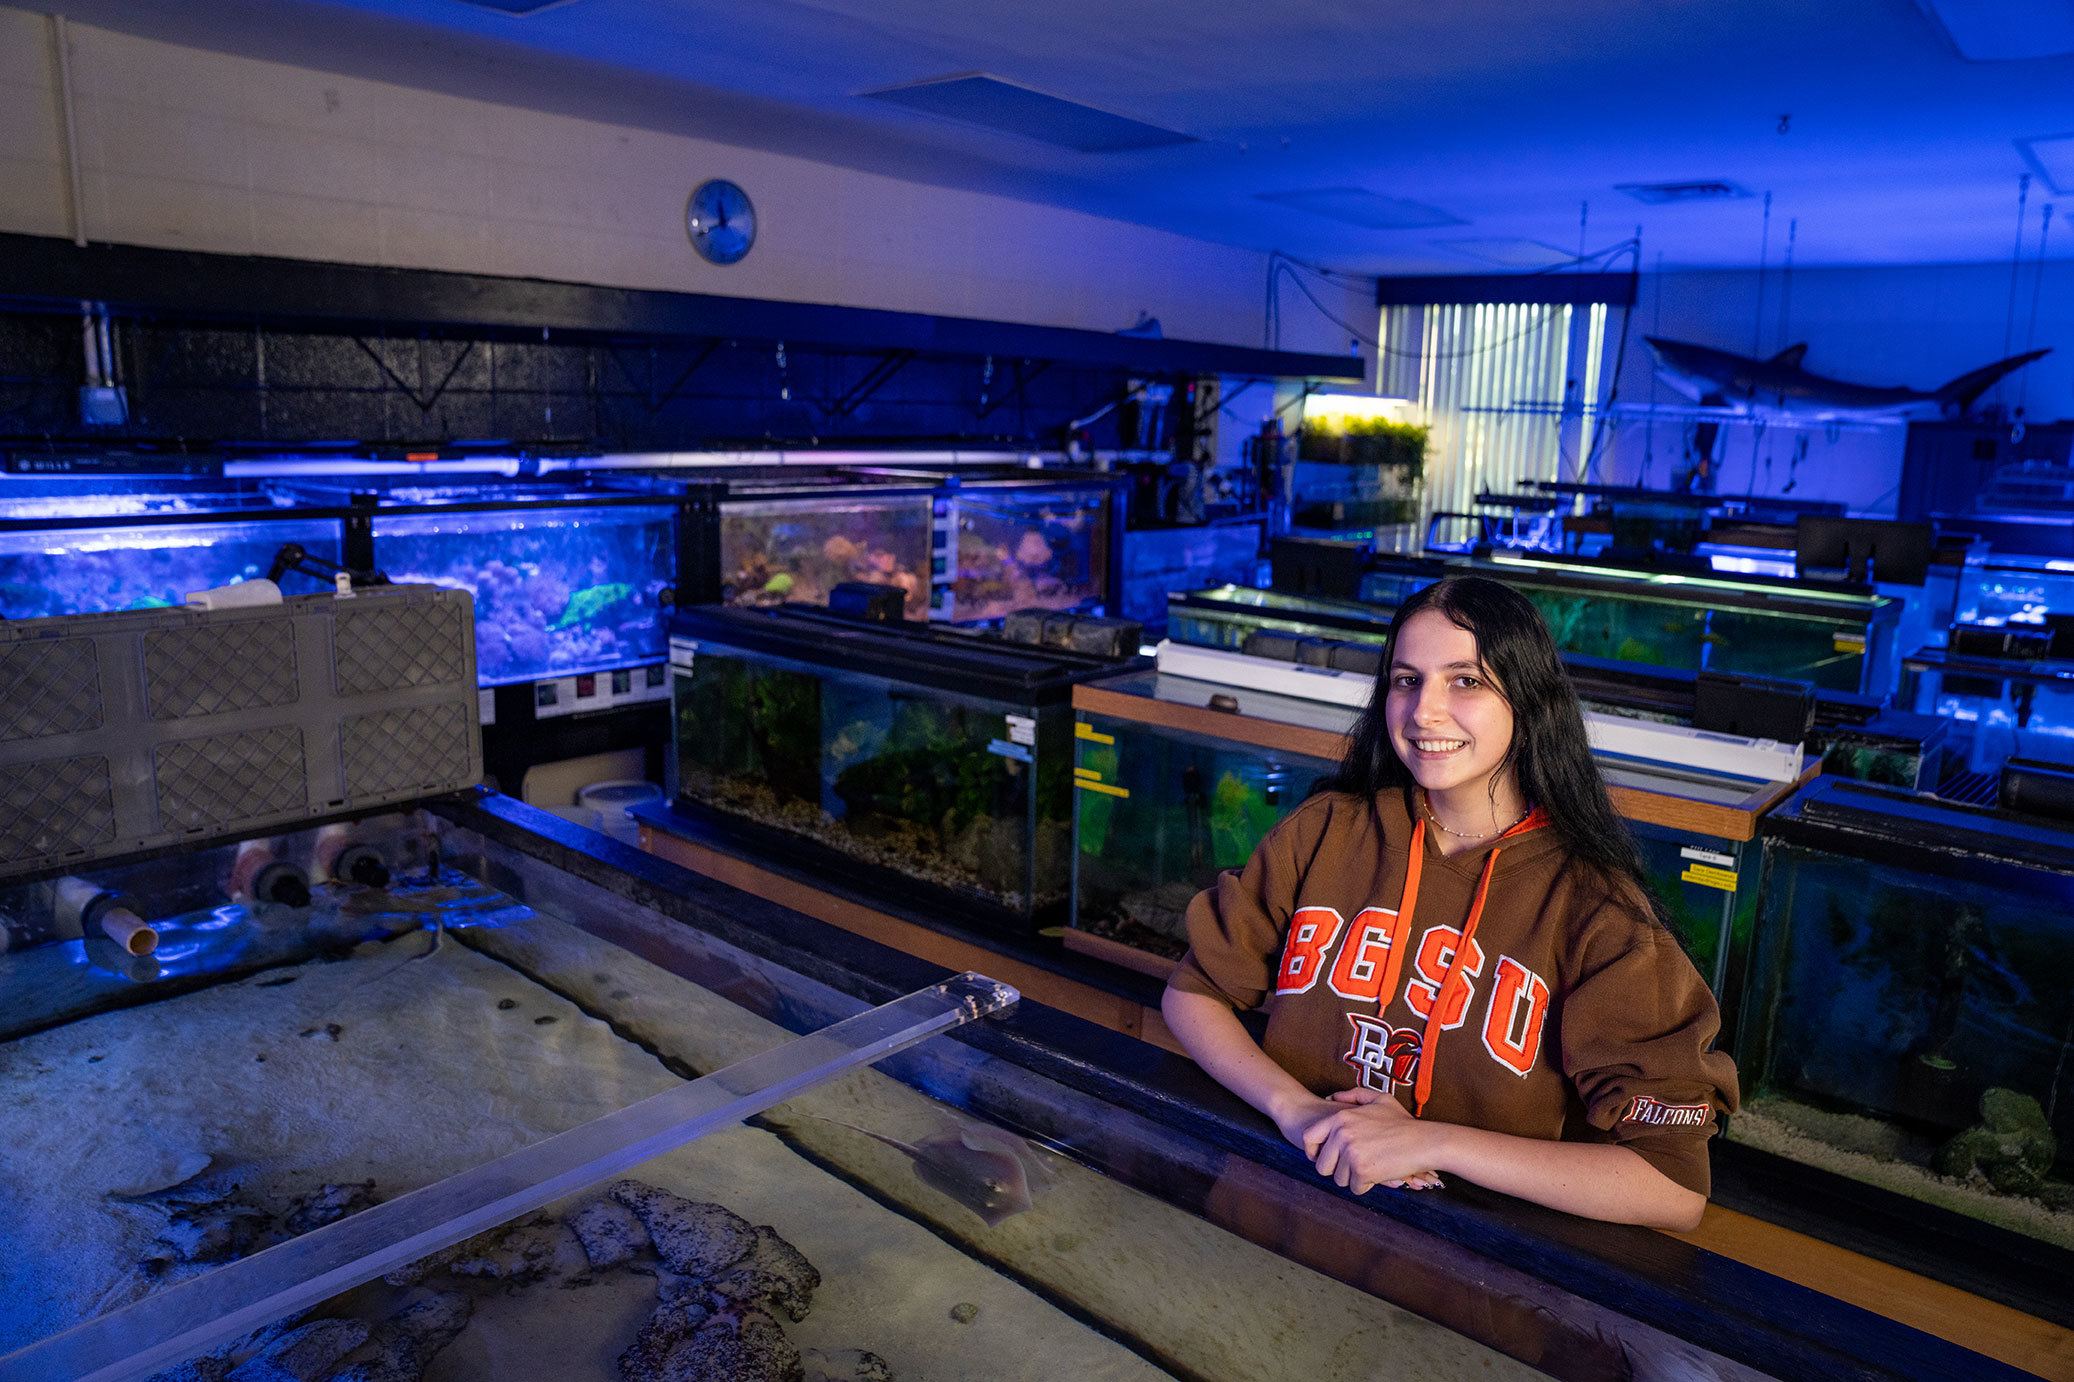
x=934, y=762
x=130, y=731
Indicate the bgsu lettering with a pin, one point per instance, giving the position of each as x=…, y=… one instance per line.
x=1371, y=968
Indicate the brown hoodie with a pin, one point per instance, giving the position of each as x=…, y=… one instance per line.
x=1570, y=1013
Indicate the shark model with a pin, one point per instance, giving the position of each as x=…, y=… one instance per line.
x=1718, y=379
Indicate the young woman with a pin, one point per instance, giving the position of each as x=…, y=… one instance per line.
x=1461, y=971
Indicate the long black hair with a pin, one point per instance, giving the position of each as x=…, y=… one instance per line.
x=1549, y=751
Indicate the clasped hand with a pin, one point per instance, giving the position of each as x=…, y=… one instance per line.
x=1361, y=1139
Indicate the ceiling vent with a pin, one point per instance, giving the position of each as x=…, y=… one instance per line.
x=1358, y=206
x=1667, y=193
x=975, y=98
x=2003, y=30
x=1510, y=254
x=2052, y=159
x=518, y=9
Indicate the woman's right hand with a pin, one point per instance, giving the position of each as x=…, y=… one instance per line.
x=1294, y=1120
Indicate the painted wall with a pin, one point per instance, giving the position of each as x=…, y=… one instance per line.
x=1918, y=326
x=191, y=149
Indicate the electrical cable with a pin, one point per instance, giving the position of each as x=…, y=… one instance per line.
x=2023, y=387
x=2016, y=264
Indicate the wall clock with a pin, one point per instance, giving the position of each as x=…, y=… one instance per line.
x=721, y=221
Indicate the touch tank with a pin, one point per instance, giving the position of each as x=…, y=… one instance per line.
x=95, y=547
x=939, y=761
x=565, y=580
x=1910, y=1016
x=1005, y=545
x=861, y=1228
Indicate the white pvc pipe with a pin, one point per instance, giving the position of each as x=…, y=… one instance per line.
x=61, y=41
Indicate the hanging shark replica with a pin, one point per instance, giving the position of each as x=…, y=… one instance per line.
x=1779, y=386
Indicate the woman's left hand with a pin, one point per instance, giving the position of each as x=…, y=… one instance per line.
x=1372, y=1141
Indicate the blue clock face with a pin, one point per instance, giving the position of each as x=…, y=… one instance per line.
x=721, y=222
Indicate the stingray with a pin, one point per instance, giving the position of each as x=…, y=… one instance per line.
x=994, y=1174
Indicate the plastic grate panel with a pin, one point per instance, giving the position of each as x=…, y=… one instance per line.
x=49, y=687
x=389, y=648
x=222, y=778
x=56, y=806
x=405, y=750
x=214, y=667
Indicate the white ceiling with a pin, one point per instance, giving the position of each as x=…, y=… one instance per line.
x=1508, y=114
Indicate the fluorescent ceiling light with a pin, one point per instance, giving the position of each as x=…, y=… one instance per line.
x=2052, y=158
x=1360, y=207
x=2004, y=30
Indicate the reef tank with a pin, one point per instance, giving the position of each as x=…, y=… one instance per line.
x=941, y=761
x=1837, y=639
x=75, y=547
x=1160, y=810
x=1909, y=1021
x=566, y=581
x=777, y=548
x=2013, y=590
x=457, y=1112
x=1005, y=545
x=1160, y=561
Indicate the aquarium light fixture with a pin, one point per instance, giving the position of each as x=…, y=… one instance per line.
x=673, y=460
x=507, y=466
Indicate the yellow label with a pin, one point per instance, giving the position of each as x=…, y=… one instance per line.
x=1104, y=788
x=1083, y=730
x=1847, y=643
x=1707, y=876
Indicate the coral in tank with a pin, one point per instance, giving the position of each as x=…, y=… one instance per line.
x=798, y=550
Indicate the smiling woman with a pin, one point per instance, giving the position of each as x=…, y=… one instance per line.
x=1492, y=997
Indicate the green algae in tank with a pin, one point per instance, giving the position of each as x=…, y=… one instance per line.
x=921, y=782
x=1160, y=813
x=1707, y=890
x=1913, y=1028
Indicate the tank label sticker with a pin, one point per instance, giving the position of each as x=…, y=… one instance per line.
x=1083, y=730
x=1709, y=877
x=682, y=652
x=1847, y=642
x=486, y=707
x=1008, y=750
x=1021, y=729
x=1708, y=856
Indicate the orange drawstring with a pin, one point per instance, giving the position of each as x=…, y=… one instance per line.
x=1422, y=1085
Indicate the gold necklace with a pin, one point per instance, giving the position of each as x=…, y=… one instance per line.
x=1463, y=834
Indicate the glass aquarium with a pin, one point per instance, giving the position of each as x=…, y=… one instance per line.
x=566, y=581
x=1837, y=639
x=565, y=1187
x=1160, y=810
x=90, y=547
x=940, y=761
x=777, y=547
x=1910, y=1016
x=1225, y=616
x=2005, y=590
x=1160, y=561
x=1345, y=498
x=2000, y=708
x=1005, y=545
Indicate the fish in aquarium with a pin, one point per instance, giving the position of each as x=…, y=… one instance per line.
x=1011, y=558
x=47, y=574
